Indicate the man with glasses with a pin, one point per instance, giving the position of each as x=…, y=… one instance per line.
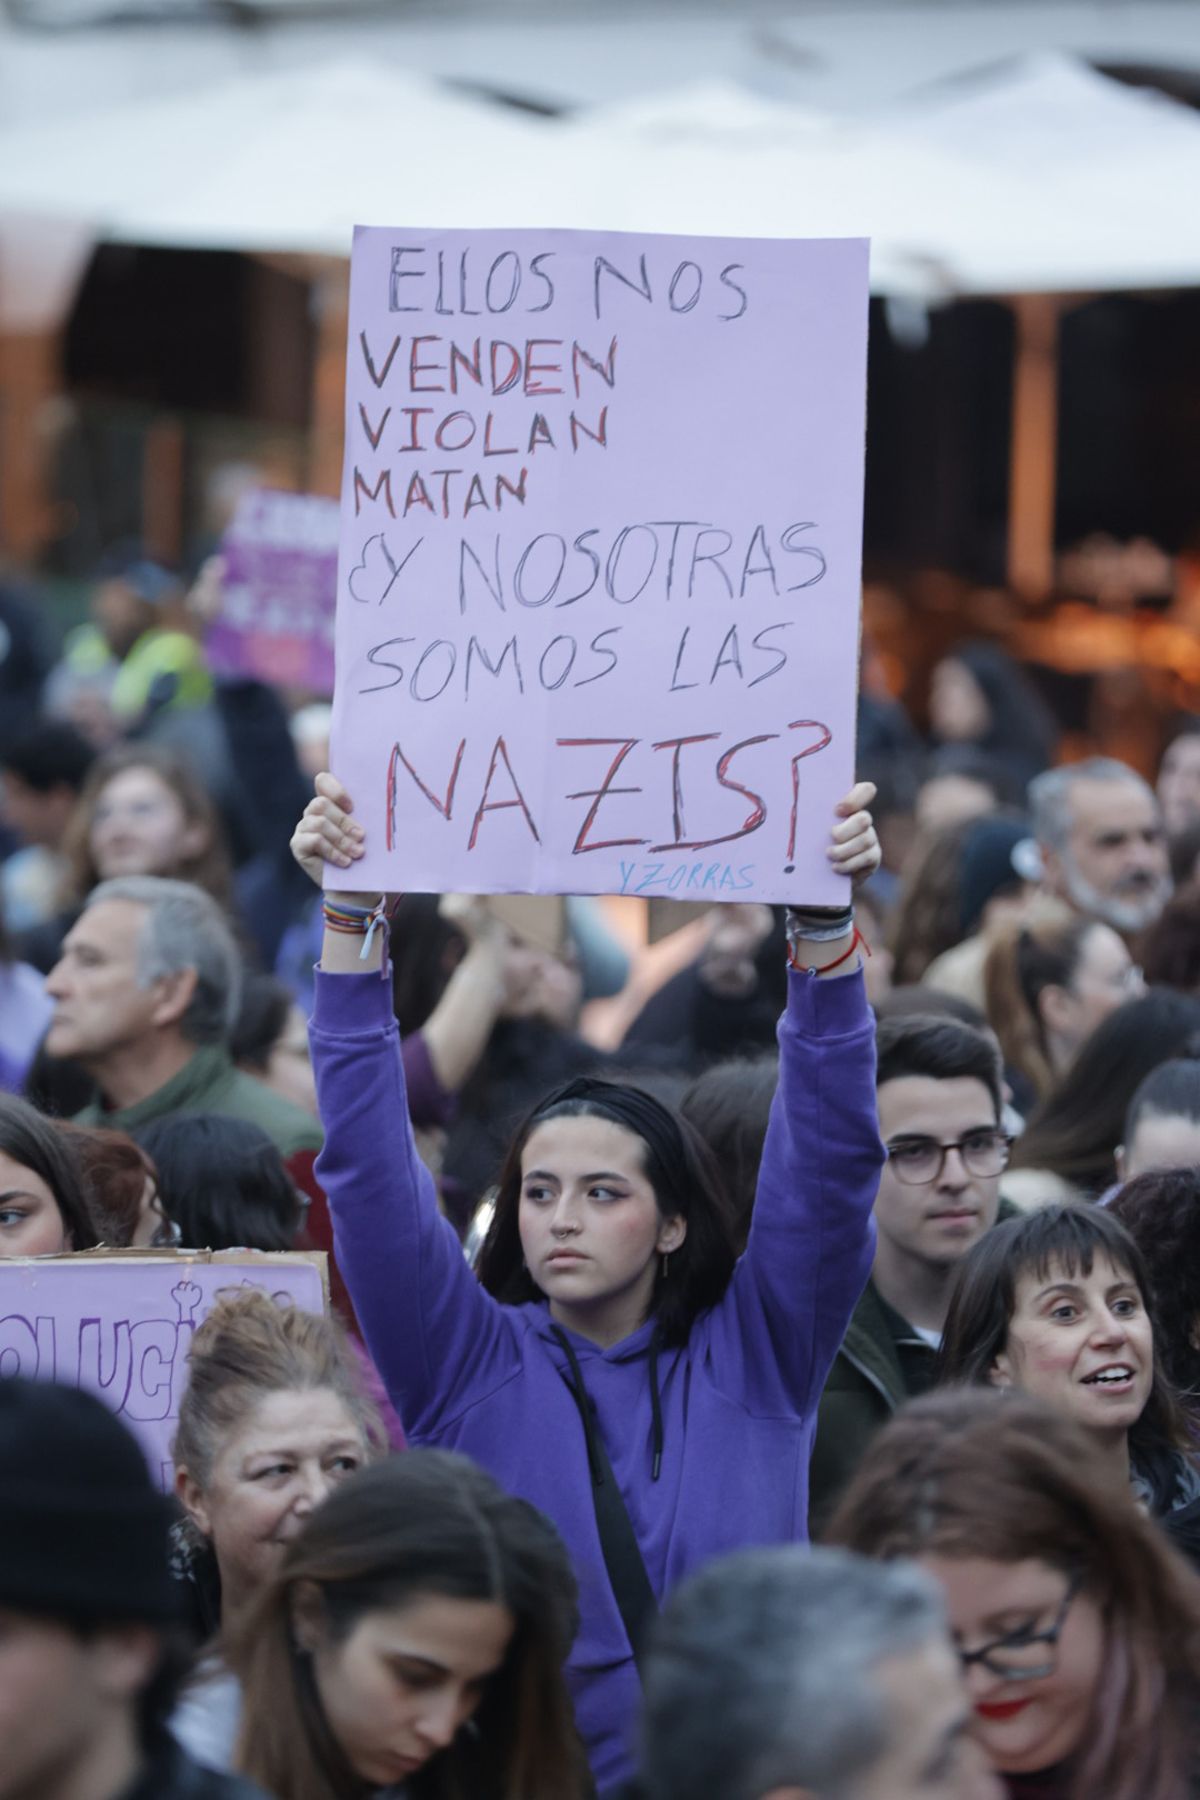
x=938, y=1084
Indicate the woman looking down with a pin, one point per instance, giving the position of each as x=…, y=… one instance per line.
x=611, y=1364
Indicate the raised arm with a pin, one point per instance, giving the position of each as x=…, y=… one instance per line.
x=812, y=1237
x=432, y=1331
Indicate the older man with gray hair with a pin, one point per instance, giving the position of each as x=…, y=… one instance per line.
x=1100, y=832
x=790, y=1674
x=145, y=995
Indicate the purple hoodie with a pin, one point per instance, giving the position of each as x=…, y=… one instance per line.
x=739, y=1400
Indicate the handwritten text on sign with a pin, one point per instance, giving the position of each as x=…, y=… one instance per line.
x=598, y=578
x=277, y=601
x=121, y=1327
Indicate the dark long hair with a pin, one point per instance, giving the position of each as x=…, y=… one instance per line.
x=223, y=1182
x=973, y=1474
x=1076, y=1131
x=679, y=1167
x=425, y=1523
x=1161, y=1211
x=35, y=1143
x=984, y=1298
x=1020, y=722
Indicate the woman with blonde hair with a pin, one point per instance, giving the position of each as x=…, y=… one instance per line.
x=273, y=1418
x=142, y=811
x=413, y=1641
x=1077, y=1624
x=1048, y=982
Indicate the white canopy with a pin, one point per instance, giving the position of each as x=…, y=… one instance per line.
x=1042, y=177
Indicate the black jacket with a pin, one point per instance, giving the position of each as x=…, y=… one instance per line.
x=881, y=1364
x=170, y=1774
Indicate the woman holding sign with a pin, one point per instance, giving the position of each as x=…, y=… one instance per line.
x=612, y=1363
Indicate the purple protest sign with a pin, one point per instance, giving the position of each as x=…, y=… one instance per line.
x=598, y=584
x=278, y=591
x=119, y=1323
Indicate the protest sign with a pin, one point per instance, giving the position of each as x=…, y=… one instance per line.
x=598, y=581
x=119, y=1323
x=279, y=589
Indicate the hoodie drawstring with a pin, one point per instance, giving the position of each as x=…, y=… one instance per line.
x=587, y=1408
x=656, y=1408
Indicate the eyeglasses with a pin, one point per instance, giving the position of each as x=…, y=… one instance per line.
x=918, y=1160
x=1021, y=1655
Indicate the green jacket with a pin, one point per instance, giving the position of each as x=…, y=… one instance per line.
x=881, y=1364
x=210, y=1083
x=866, y=1385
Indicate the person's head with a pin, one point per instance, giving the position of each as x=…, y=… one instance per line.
x=1048, y=982
x=132, y=596
x=1184, y=848
x=1160, y=1209
x=1076, y=1130
x=270, y=1040
x=1162, y=1124
x=273, y=1418
x=608, y=1202
x=979, y=695
x=146, y=959
x=1179, y=780
x=41, y=775
x=142, y=811
x=927, y=918
x=1078, y=1624
x=414, y=1634
x=939, y=1096
x=729, y=1105
x=44, y=1207
x=963, y=878
x=1102, y=843
x=961, y=782
x=1170, y=950
x=122, y=1187
x=90, y=1660
x=797, y=1674
x=1057, y=1304
x=223, y=1183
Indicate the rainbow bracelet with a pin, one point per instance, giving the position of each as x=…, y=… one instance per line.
x=359, y=921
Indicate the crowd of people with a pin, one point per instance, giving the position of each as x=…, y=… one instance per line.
x=763, y=1366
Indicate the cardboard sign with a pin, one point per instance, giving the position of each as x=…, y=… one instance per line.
x=598, y=585
x=279, y=592
x=119, y=1323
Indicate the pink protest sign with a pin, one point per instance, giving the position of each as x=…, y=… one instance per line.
x=278, y=591
x=119, y=1323
x=598, y=581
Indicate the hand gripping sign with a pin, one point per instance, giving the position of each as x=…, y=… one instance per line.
x=598, y=575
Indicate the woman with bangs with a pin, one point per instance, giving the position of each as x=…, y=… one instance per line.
x=1077, y=1625
x=1057, y=1304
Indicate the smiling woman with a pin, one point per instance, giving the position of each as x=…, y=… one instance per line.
x=44, y=1208
x=1056, y=1304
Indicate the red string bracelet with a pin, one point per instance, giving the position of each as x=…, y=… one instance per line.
x=856, y=942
